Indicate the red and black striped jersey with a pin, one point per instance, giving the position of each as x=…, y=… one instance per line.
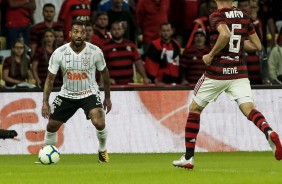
x=120, y=58
x=253, y=64
x=228, y=64
x=37, y=32
x=72, y=10
x=42, y=56
x=192, y=64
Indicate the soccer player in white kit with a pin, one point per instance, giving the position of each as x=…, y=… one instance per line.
x=78, y=62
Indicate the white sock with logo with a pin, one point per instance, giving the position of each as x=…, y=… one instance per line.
x=102, y=138
x=50, y=138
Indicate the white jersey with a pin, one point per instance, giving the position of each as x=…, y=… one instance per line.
x=78, y=70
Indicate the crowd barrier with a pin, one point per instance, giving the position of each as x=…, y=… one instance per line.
x=146, y=120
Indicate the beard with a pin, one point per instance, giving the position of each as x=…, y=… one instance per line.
x=117, y=38
x=77, y=43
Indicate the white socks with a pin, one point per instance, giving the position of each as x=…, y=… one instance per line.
x=50, y=138
x=102, y=138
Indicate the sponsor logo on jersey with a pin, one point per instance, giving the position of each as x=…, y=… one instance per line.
x=84, y=92
x=76, y=75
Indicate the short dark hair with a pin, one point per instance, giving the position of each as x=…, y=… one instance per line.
x=77, y=22
x=100, y=14
x=49, y=5
x=165, y=24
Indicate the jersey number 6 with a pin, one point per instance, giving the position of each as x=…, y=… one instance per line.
x=235, y=40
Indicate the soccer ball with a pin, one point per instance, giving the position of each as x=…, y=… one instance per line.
x=49, y=155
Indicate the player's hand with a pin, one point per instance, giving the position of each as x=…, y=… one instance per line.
x=45, y=111
x=107, y=105
x=207, y=59
x=147, y=81
x=185, y=83
x=112, y=81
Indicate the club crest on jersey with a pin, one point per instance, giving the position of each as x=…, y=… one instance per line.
x=114, y=49
x=85, y=61
x=128, y=48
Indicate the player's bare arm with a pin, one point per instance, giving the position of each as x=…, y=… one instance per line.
x=253, y=43
x=106, y=82
x=45, y=111
x=222, y=41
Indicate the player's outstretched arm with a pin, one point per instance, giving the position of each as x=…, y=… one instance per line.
x=106, y=81
x=252, y=44
x=45, y=111
x=221, y=42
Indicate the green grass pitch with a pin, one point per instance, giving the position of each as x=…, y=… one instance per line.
x=217, y=168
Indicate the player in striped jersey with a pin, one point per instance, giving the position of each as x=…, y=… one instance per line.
x=120, y=55
x=78, y=61
x=231, y=32
x=192, y=66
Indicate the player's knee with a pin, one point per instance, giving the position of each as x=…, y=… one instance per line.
x=97, y=117
x=194, y=107
x=246, y=108
x=53, y=126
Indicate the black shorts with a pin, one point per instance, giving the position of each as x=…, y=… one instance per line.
x=63, y=108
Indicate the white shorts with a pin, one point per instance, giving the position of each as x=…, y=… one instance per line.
x=207, y=90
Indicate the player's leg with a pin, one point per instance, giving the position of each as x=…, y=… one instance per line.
x=97, y=117
x=191, y=131
x=61, y=110
x=259, y=120
x=92, y=107
x=206, y=90
x=51, y=131
x=240, y=90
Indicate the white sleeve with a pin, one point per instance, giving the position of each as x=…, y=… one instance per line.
x=54, y=63
x=100, y=61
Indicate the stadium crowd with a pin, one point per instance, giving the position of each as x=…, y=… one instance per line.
x=144, y=41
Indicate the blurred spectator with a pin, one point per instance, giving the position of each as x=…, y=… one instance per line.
x=117, y=13
x=265, y=15
x=104, y=6
x=120, y=55
x=89, y=31
x=16, y=68
x=256, y=61
x=204, y=8
x=254, y=8
x=71, y=10
x=162, y=58
x=203, y=23
x=101, y=33
x=191, y=12
x=60, y=37
x=192, y=66
x=150, y=14
x=37, y=31
x=275, y=62
x=19, y=17
x=39, y=6
x=41, y=59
